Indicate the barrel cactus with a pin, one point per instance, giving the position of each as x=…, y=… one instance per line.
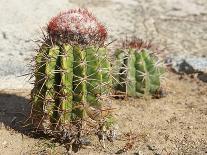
x=72, y=71
x=138, y=71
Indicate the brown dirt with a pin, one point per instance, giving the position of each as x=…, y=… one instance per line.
x=175, y=124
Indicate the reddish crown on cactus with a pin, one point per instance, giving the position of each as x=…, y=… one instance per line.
x=136, y=43
x=76, y=26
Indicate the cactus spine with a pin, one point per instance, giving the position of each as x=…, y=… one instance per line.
x=138, y=71
x=72, y=70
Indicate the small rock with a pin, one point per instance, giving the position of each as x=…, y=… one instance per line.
x=202, y=77
x=184, y=67
x=191, y=65
x=20, y=53
x=4, y=35
x=85, y=141
x=190, y=127
x=151, y=147
x=4, y=143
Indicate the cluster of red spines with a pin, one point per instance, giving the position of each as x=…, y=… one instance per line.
x=76, y=25
x=136, y=43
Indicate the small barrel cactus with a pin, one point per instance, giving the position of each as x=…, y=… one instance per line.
x=137, y=70
x=72, y=71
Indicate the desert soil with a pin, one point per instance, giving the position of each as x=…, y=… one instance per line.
x=175, y=124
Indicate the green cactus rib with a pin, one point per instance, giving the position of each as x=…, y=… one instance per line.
x=66, y=84
x=98, y=74
x=131, y=77
x=79, y=81
x=51, y=78
x=69, y=76
x=148, y=73
x=91, y=76
x=139, y=75
x=39, y=91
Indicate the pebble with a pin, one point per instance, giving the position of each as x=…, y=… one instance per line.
x=140, y=153
x=4, y=143
x=151, y=147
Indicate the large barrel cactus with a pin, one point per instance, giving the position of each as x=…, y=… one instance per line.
x=138, y=71
x=72, y=71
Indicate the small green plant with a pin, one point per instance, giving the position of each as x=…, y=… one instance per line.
x=137, y=70
x=72, y=72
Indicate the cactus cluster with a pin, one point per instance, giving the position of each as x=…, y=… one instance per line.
x=138, y=70
x=72, y=70
x=73, y=73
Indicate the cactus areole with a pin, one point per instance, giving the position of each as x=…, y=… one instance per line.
x=76, y=26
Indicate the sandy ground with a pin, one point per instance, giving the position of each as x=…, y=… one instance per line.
x=176, y=124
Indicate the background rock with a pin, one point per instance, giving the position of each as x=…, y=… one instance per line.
x=191, y=65
x=178, y=27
